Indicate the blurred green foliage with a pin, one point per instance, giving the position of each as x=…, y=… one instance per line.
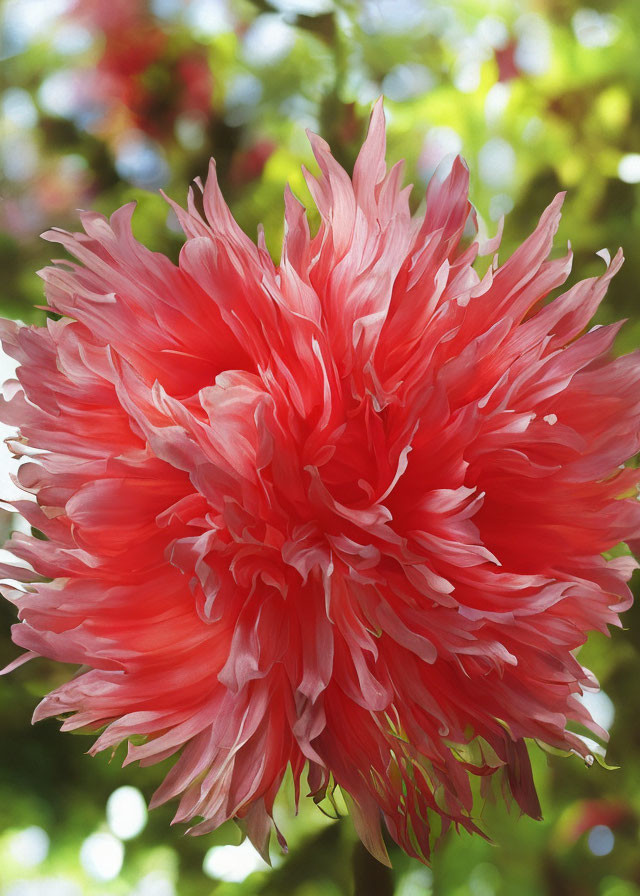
x=99, y=109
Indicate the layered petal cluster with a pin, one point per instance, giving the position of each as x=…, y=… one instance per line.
x=344, y=513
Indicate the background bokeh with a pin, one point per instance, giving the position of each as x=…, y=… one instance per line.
x=105, y=101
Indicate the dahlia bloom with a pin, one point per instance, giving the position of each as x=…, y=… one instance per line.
x=345, y=513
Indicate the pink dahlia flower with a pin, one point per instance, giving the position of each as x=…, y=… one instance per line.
x=346, y=512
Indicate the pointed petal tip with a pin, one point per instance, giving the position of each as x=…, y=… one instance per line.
x=158, y=799
x=449, y=167
x=40, y=712
x=377, y=111
x=19, y=661
x=52, y=235
x=366, y=821
x=127, y=211
x=319, y=145
x=613, y=264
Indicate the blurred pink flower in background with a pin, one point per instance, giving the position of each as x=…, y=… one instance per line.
x=248, y=164
x=346, y=512
x=140, y=79
x=117, y=15
x=584, y=815
x=56, y=186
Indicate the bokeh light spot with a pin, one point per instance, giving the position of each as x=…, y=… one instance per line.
x=209, y=17
x=404, y=82
x=497, y=162
x=533, y=52
x=416, y=883
x=30, y=847
x=57, y=94
x=19, y=157
x=599, y=705
x=18, y=108
x=155, y=883
x=126, y=812
x=232, y=863
x=601, y=840
x=594, y=29
x=304, y=7
x=629, y=168
x=141, y=162
x=484, y=880
x=101, y=856
x=72, y=38
x=499, y=205
x=43, y=886
x=268, y=39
